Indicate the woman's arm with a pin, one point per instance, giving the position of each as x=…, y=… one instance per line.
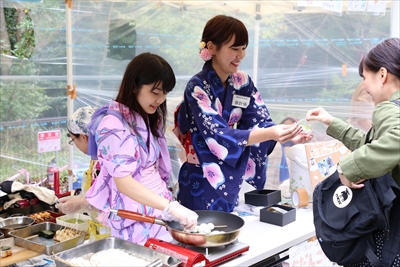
x=138, y=192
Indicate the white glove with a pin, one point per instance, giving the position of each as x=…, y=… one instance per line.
x=176, y=212
x=72, y=204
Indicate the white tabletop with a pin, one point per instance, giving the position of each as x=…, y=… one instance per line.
x=266, y=239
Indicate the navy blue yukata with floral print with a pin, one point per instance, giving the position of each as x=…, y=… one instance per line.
x=214, y=128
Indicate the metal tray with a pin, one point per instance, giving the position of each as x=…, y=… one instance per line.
x=43, y=245
x=117, y=243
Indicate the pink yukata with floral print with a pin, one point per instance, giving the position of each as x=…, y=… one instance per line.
x=214, y=129
x=122, y=151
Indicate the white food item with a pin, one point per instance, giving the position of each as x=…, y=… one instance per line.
x=80, y=262
x=110, y=257
x=204, y=229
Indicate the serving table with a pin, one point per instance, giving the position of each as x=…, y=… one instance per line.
x=265, y=240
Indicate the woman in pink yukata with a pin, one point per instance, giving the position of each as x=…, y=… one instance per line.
x=223, y=123
x=127, y=137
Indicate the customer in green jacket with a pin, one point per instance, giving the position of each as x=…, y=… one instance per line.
x=380, y=69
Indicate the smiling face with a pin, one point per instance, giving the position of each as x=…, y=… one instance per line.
x=150, y=97
x=373, y=84
x=227, y=59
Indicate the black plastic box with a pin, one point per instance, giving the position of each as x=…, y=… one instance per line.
x=280, y=219
x=263, y=197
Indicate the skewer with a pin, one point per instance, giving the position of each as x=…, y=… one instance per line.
x=32, y=236
x=64, y=261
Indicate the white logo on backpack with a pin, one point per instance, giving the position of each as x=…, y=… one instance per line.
x=342, y=196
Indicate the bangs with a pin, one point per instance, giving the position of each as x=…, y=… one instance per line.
x=156, y=72
x=240, y=33
x=168, y=81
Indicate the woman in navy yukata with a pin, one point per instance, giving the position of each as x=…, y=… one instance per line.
x=222, y=120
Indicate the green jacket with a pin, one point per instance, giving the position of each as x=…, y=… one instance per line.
x=379, y=156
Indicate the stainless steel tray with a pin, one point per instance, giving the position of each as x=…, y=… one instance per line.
x=117, y=243
x=43, y=245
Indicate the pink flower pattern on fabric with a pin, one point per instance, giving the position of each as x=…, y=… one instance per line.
x=203, y=100
x=218, y=150
x=258, y=100
x=250, y=169
x=235, y=116
x=213, y=174
x=240, y=79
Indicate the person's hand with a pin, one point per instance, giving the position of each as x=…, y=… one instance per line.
x=72, y=204
x=283, y=132
x=319, y=114
x=351, y=184
x=302, y=138
x=176, y=212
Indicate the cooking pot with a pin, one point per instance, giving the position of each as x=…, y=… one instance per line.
x=231, y=231
x=14, y=223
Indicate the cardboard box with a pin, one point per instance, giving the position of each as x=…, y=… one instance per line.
x=263, y=197
x=277, y=218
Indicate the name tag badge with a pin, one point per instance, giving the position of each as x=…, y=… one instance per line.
x=240, y=101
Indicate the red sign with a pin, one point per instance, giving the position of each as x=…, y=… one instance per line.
x=49, y=141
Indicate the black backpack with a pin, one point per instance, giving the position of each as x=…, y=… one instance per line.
x=345, y=219
x=345, y=231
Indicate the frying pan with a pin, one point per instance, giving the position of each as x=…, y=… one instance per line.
x=231, y=231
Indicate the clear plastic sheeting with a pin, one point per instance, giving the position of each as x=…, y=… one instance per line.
x=302, y=54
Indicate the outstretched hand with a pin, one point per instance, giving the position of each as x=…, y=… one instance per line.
x=283, y=132
x=319, y=114
x=302, y=138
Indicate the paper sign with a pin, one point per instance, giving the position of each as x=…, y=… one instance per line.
x=322, y=159
x=308, y=253
x=357, y=5
x=333, y=5
x=377, y=6
x=49, y=141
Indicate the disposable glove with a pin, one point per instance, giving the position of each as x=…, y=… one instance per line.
x=72, y=204
x=176, y=212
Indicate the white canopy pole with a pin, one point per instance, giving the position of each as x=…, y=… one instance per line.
x=394, y=19
x=70, y=85
x=256, y=44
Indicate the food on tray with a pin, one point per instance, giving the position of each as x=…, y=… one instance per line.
x=5, y=251
x=41, y=216
x=109, y=257
x=46, y=234
x=66, y=234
